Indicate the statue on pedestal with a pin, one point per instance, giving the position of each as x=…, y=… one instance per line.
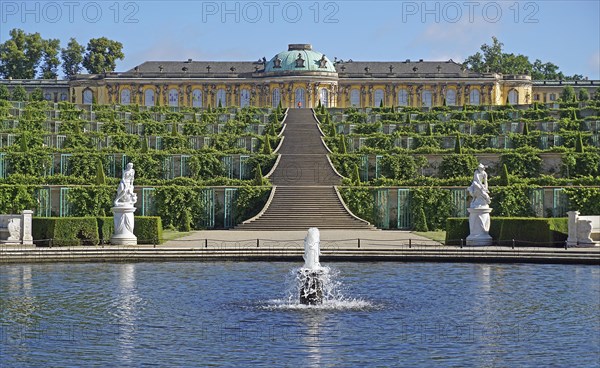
x=123, y=210
x=479, y=210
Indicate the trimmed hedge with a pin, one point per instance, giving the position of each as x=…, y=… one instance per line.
x=73, y=231
x=525, y=231
x=65, y=231
x=148, y=229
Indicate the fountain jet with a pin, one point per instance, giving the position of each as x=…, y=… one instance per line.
x=311, y=275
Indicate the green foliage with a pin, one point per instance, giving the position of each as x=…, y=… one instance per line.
x=19, y=94
x=457, y=145
x=72, y=57
x=420, y=223
x=342, y=144
x=180, y=206
x=586, y=200
x=583, y=95
x=525, y=164
x=65, y=231
x=457, y=165
x=90, y=200
x=4, y=93
x=20, y=55
x=266, y=149
x=32, y=163
x=206, y=166
x=250, y=200
x=579, y=144
x=580, y=164
x=400, y=166
x=37, y=94
x=526, y=232
x=100, y=176
x=360, y=201
x=16, y=198
x=512, y=201
x=568, y=94
x=258, y=176
x=355, y=177
x=435, y=203
x=504, y=176
x=102, y=55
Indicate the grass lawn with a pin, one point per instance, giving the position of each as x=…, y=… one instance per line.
x=172, y=234
x=438, y=236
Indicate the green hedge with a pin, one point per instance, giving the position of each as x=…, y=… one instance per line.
x=72, y=231
x=147, y=229
x=531, y=232
x=65, y=231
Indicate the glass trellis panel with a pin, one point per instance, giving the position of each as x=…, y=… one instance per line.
x=168, y=168
x=206, y=142
x=148, y=208
x=382, y=208
x=65, y=206
x=49, y=171
x=184, y=169
x=228, y=165
x=536, y=196
x=459, y=202
x=557, y=140
x=361, y=142
x=194, y=142
x=64, y=164
x=543, y=142
x=403, y=209
x=124, y=162
x=493, y=142
x=241, y=142
x=378, y=159
x=559, y=203
x=409, y=143
x=245, y=169
x=158, y=143
x=60, y=141
x=355, y=98
x=253, y=144
x=594, y=140
x=110, y=170
x=2, y=165
x=10, y=139
x=364, y=168
x=229, y=207
x=208, y=203
x=44, y=203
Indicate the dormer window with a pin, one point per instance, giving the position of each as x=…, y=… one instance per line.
x=299, y=61
x=367, y=69
x=323, y=62
x=277, y=62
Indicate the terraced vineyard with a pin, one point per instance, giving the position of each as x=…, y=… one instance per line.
x=196, y=168
x=405, y=167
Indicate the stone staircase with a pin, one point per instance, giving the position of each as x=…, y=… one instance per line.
x=304, y=183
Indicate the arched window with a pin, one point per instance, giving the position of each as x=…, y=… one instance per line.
x=173, y=97
x=63, y=96
x=48, y=96
x=379, y=95
x=221, y=95
x=426, y=98
x=276, y=97
x=403, y=97
x=451, y=97
x=355, y=98
x=324, y=97
x=300, y=97
x=196, y=98
x=149, y=97
x=474, y=97
x=513, y=97
x=244, y=98
x=88, y=96
x=125, y=97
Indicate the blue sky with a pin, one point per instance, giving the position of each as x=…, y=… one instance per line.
x=566, y=33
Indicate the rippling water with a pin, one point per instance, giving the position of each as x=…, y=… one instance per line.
x=391, y=314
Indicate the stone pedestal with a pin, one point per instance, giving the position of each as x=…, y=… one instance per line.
x=26, y=225
x=124, y=221
x=479, y=226
x=573, y=218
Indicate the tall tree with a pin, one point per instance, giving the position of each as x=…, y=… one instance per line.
x=4, y=93
x=583, y=95
x=72, y=57
x=50, y=61
x=20, y=55
x=102, y=55
x=568, y=94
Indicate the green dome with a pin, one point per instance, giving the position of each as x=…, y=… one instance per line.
x=298, y=59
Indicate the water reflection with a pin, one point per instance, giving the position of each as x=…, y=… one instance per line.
x=127, y=303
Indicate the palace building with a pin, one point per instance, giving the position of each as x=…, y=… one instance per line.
x=304, y=76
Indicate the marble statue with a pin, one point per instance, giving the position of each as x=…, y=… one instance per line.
x=479, y=188
x=123, y=210
x=125, y=195
x=14, y=229
x=479, y=210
